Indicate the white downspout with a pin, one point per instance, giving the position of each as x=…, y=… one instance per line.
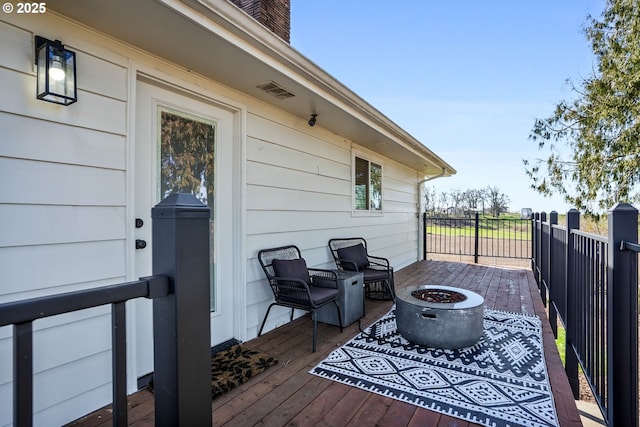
x=419, y=214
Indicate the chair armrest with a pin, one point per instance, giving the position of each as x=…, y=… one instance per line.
x=343, y=262
x=323, y=278
x=289, y=283
x=378, y=260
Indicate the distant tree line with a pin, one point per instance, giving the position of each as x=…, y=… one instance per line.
x=489, y=200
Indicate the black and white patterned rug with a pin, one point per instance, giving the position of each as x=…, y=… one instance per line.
x=500, y=381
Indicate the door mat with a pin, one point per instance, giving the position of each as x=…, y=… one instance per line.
x=235, y=366
x=500, y=381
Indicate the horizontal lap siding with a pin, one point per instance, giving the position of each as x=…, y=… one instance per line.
x=63, y=213
x=401, y=199
x=63, y=208
x=299, y=191
x=51, y=268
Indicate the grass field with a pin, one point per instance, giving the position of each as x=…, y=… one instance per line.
x=483, y=232
x=508, y=227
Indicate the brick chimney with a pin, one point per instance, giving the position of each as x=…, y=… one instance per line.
x=273, y=14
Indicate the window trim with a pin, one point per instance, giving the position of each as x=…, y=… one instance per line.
x=370, y=160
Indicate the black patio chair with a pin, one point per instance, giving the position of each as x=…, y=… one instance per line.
x=294, y=285
x=351, y=254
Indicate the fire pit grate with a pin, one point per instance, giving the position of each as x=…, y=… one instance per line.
x=441, y=296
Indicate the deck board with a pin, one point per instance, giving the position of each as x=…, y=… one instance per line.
x=287, y=394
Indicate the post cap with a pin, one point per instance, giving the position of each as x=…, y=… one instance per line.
x=180, y=205
x=623, y=207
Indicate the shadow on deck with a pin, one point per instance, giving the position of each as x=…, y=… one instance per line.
x=287, y=394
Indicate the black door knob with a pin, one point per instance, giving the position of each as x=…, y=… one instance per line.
x=140, y=244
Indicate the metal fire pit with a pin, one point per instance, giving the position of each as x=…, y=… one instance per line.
x=440, y=316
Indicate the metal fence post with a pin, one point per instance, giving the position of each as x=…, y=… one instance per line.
x=543, y=264
x=622, y=318
x=424, y=236
x=181, y=320
x=534, y=244
x=475, y=249
x=551, y=265
x=571, y=360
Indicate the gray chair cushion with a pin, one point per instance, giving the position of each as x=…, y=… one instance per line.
x=356, y=254
x=291, y=269
x=372, y=275
x=322, y=295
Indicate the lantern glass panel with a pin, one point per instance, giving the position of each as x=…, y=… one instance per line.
x=56, y=73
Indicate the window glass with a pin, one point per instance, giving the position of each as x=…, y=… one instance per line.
x=375, y=202
x=362, y=184
x=367, y=185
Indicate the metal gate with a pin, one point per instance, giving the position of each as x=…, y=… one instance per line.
x=477, y=236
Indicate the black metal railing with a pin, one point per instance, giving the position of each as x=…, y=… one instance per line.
x=477, y=236
x=180, y=292
x=589, y=281
x=22, y=314
x=592, y=284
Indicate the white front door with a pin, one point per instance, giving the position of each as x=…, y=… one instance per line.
x=183, y=144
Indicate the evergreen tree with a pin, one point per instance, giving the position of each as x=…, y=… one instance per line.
x=600, y=128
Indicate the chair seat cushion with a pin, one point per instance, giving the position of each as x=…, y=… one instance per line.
x=318, y=296
x=356, y=254
x=322, y=295
x=291, y=269
x=372, y=275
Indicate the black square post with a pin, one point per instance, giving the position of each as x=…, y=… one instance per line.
x=571, y=284
x=552, y=287
x=543, y=259
x=622, y=318
x=181, y=320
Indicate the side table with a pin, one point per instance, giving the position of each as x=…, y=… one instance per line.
x=350, y=301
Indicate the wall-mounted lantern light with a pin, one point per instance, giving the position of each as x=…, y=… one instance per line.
x=56, y=72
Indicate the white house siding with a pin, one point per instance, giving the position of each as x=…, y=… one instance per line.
x=66, y=203
x=62, y=214
x=299, y=191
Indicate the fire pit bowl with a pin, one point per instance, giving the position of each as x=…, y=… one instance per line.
x=440, y=316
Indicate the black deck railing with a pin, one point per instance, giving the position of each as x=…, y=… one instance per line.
x=477, y=236
x=591, y=283
x=180, y=293
x=22, y=314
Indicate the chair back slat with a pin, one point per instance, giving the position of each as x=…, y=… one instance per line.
x=266, y=257
x=335, y=244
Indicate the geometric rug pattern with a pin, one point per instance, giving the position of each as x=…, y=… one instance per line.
x=500, y=381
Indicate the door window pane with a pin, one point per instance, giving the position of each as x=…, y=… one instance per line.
x=187, y=157
x=187, y=165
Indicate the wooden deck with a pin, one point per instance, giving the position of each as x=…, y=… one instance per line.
x=287, y=394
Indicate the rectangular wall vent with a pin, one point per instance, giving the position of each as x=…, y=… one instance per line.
x=276, y=90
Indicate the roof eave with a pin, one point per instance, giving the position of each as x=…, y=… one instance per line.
x=240, y=53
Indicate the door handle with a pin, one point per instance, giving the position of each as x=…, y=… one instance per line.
x=140, y=244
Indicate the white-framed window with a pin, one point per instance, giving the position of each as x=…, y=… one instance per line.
x=367, y=185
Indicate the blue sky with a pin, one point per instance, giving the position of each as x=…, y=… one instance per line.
x=465, y=77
